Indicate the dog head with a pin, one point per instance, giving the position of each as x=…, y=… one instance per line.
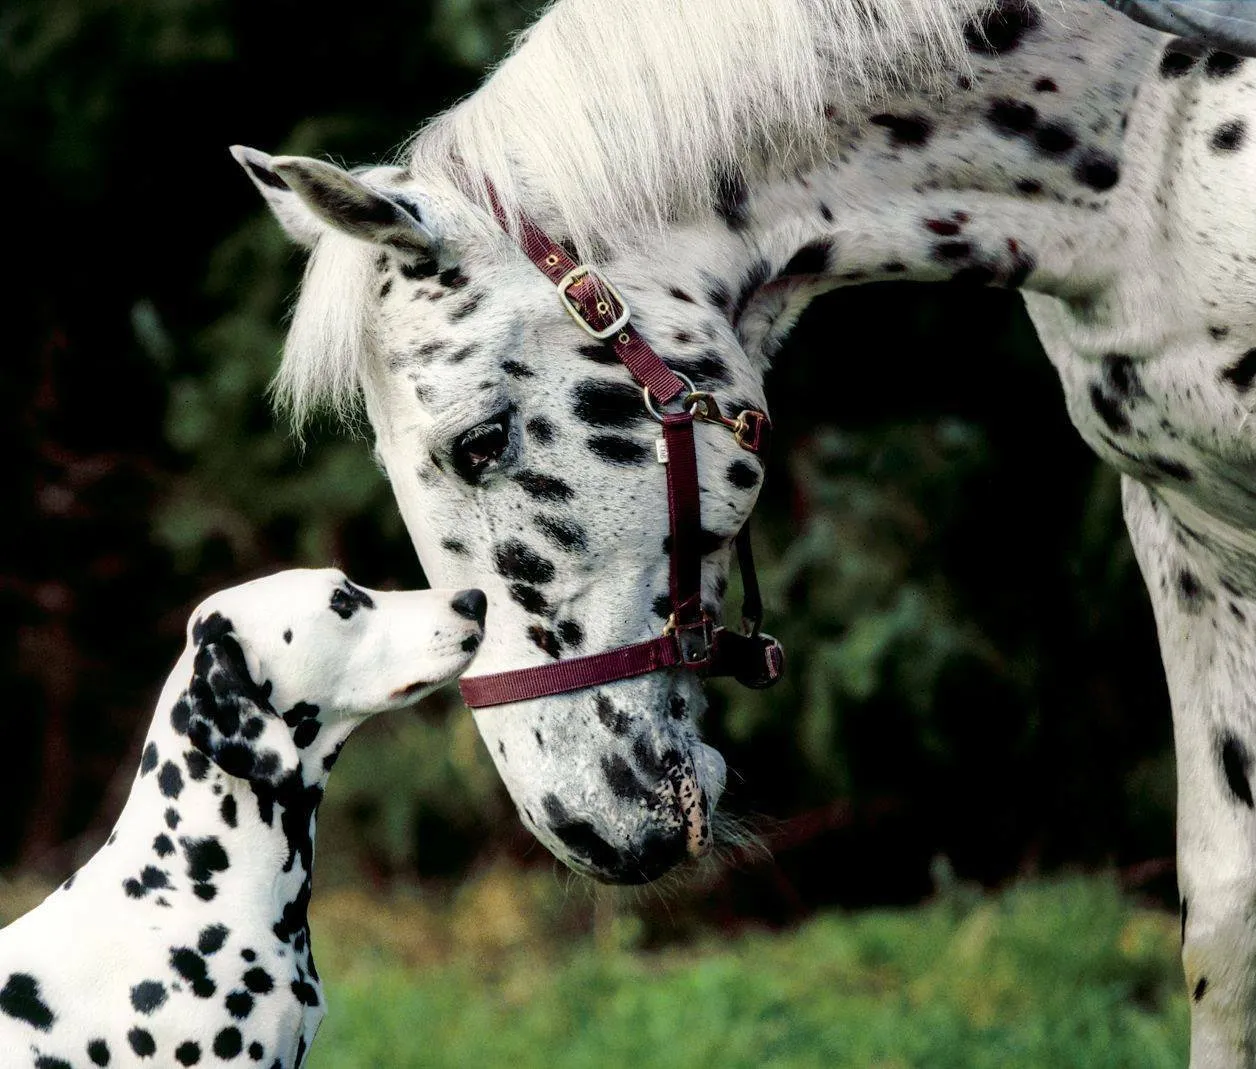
x=284, y=667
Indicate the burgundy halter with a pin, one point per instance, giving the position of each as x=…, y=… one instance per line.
x=691, y=638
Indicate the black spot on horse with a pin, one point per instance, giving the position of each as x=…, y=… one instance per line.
x=811, y=259
x=1241, y=373
x=904, y=131
x=20, y=999
x=516, y=370
x=1200, y=989
x=742, y=474
x=949, y=251
x=1097, y=170
x=599, y=353
x=452, y=278
x=1221, y=64
x=616, y=722
x=615, y=449
x=541, y=429
x=466, y=308
x=623, y=781
x=530, y=598
x=1046, y=85
x=543, y=487
x=418, y=267
x=1121, y=376
x=454, y=546
x=1054, y=139
x=1031, y=187
x=1183, y=911
x=1109, y=411
x=1190, y=593
x=1175, y=63
x=730, y=195
x=1172, y=468
x=571, y=632
x=545, y=639
x=579, y=836
x=662, y=606
x=1011, y=118
x=564, y=533
x=608, y=404
x=718, y=296
x=1001, y=29
x=515, y=560
x=347, y=599
x=1236, y=764
x=1228, y=136
x=974, y=275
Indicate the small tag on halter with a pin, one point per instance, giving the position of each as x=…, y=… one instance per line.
x=660, y=450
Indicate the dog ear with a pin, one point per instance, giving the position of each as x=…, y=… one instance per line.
x=228, y=716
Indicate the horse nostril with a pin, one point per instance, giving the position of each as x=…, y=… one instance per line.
x=471, y=605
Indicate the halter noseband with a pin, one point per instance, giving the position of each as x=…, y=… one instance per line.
x=691, y=638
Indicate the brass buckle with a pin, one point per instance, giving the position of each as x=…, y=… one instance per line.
x=578, y=274
x=694, y=639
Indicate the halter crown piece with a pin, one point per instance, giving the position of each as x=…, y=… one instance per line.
x=691, y=638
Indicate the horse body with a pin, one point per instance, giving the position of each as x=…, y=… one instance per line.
x=1058, y=149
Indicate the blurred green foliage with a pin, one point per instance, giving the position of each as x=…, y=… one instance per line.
x=1063, y=974
x=972, y=669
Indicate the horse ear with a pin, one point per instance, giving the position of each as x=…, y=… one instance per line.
x=330, y=197
x=228, y=716
x=298, y=222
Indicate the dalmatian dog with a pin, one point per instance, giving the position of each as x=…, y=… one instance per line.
x=184, y=940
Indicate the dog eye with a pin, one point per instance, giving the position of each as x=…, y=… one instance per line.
x=477, y=451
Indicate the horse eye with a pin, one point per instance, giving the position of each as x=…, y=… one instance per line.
x=476, y=451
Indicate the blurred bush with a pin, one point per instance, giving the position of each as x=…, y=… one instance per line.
x=972, y=662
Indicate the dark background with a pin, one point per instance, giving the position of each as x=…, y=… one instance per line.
x=974, y=684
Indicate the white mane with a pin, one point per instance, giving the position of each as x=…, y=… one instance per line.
x=610, y=119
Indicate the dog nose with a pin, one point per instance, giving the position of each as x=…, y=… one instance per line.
x=471, y=605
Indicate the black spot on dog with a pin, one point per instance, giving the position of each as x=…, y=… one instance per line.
x=141, y=1042
x=258, y=980
x=191, y=966
x=197, y=764
x=153, y=878
x=212, y=938
x=514, y=560
x=305, y=993
x=172, y=818
x=162, y=846
x=1241, y=374
x=305, y=733
x=1175, y=63
x=614, y=449
x=239, y=1004
x=579, y=836
x=347, y=599
x=531, y=599
x=1000, y=29
x=149, y=759
x=148, y=996
x=98, y=1052
x=544, y=487
x=1236, y=764
x=1054, y=139
x=541, y=429
x=904, y=131
x=170, y=780
x=1011, y=118
x=811, y=259
x=255, y=1051
x=545, y=639
x=228, y=1043
x=1097, y=170
x=1228, y=136
x=1221, y=64
x=20, y=999
x=204, y=858
x=564, y=533
x=188, y=1052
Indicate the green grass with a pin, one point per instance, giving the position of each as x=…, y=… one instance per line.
x=1061, y=974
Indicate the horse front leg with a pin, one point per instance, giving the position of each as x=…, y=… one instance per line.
x=1201, y=575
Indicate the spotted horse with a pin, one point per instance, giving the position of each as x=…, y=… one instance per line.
x=720, y=164
x=184, y=940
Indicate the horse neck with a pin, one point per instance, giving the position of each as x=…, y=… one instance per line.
x=1020, y=174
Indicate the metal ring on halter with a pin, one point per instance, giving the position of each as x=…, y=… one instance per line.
x=649, y=405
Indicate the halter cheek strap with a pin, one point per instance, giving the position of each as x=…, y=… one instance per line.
x=690, y=639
